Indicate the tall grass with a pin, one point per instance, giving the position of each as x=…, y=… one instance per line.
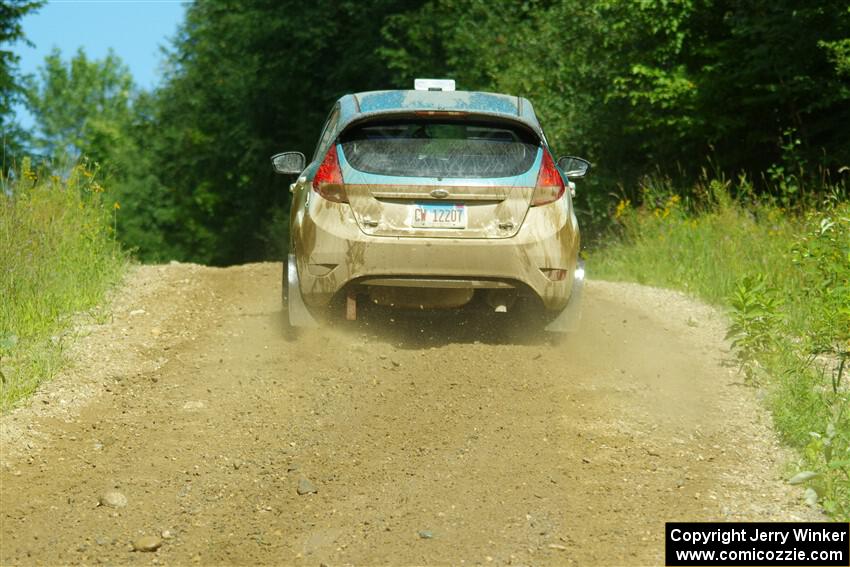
x=58, y=255
x=784, y=276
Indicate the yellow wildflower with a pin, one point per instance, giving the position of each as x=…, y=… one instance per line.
x=621, y=208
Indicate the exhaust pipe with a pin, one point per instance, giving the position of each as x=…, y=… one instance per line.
x=500, y=300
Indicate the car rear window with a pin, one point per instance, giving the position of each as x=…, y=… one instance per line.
x=429, y=148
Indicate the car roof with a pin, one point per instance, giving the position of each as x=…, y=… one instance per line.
x=366, y=104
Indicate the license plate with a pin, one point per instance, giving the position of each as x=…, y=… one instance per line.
x=443, y=215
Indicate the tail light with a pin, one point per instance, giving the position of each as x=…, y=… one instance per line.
x=550, y=185
x=554, y=274
x=328, y=179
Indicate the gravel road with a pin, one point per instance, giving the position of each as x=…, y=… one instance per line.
x=189, y=431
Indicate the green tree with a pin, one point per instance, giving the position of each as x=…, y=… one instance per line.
x=11, y=31
x=90, y=108
x=148, y=213
x=82, y=107
x=766, y=73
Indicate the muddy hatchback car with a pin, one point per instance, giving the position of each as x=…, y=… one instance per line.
x=432, y=199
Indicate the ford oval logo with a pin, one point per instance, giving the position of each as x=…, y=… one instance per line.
x=439, y=193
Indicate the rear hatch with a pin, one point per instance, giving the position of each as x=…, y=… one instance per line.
x=439, y=177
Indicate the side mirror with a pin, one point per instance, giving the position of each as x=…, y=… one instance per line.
x=574, y=167
x=288, y=162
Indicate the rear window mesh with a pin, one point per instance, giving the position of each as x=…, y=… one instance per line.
x=428, y=148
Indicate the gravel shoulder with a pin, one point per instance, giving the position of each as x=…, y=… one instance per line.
x=391, y=441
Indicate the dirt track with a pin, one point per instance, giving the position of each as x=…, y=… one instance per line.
x=495, y=442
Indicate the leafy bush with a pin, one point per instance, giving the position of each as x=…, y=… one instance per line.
x=784, y=275
x=813, y=362
x=755, y=320
x=58, y=256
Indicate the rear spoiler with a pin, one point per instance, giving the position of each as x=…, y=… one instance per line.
x=455, y=114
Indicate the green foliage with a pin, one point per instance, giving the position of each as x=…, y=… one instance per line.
x=58, y=255
x=81, y=107
x=785, y=276
x=90, y=107
x=839, y=52
x=821, y=258
x=755, y=321
x=660, y=239
x=11, y=91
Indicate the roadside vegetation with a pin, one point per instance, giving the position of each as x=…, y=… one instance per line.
x=783, y=274
x=58, y=256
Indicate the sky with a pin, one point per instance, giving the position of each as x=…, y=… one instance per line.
x=134, y=29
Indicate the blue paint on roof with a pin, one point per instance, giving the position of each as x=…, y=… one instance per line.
x=438, y=100
x=381, y=100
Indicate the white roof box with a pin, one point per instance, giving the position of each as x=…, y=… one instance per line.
x=434, y=84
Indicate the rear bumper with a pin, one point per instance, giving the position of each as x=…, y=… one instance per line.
x=332, y=252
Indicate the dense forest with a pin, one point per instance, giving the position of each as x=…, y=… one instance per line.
x=646, y=88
